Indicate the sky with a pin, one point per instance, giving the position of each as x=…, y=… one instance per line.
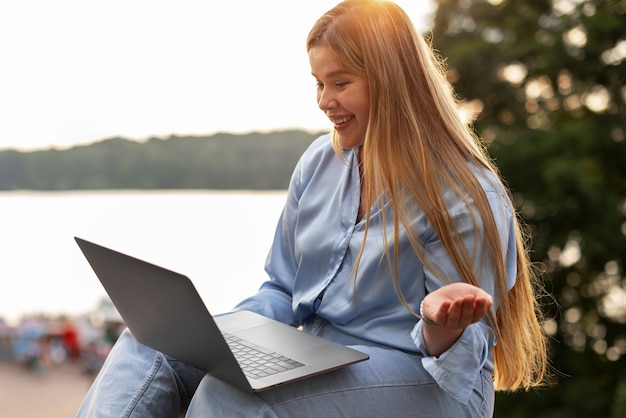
x=77, y=71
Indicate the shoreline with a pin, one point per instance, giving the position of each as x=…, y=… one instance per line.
x=54, y=392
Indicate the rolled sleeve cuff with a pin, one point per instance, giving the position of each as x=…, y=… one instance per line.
x=457, y=369
x=270, y=302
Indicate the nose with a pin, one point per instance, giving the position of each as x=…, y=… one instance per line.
x=326, y=100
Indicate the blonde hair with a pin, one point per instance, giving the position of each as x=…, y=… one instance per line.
x=417, y=147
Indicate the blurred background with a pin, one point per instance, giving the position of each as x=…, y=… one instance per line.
x=169, y=130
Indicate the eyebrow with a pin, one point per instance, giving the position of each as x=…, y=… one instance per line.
x=334, y=73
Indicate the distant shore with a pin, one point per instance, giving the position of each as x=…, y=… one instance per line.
x=54, y=392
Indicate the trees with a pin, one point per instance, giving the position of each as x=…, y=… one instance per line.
x=259, y=161
x=546, y=80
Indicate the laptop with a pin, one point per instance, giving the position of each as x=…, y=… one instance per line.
x=164, y=311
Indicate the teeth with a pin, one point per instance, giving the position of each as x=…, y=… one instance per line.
x=342, y=120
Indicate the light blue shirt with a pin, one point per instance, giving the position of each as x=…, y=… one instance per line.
x=317, y=242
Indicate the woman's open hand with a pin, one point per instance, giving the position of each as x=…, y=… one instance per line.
x=457, y=305
x=452, y=307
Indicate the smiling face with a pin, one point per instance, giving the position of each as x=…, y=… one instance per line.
x=342, y=96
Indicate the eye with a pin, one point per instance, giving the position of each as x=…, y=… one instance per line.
x=341, y=84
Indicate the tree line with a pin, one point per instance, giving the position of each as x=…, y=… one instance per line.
x=254, y=161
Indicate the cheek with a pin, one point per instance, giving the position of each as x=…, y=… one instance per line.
x=364, y=107
x=365, y=111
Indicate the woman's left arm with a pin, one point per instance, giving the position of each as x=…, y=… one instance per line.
x=459, y=346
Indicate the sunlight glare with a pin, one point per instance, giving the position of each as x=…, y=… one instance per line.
x=598, y=99
x=514, y=73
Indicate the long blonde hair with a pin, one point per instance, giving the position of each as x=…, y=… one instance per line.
x=416, y=147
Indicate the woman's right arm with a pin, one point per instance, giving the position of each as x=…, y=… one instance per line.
x=274, y=298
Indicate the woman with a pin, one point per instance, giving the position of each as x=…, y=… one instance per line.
x=397, y=238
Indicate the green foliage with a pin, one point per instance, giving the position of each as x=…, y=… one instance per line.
x=222, y=161
x=619, y=401
x=548, y=80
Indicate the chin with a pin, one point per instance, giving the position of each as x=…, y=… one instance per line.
x=348, y=143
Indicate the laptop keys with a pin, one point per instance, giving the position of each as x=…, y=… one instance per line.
x=256, y=361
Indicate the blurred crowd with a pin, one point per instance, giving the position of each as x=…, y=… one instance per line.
x=39, y=341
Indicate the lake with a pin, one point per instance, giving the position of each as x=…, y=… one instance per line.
x=220, y=239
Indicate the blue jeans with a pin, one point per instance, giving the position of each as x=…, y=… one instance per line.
x=137, y=381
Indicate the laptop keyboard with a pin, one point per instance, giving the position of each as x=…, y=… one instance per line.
x=257, y=362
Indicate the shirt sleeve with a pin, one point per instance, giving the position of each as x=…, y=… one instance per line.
x=456, y=370
x=275, y=296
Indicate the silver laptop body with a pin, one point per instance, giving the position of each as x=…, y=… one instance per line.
x=164, y=311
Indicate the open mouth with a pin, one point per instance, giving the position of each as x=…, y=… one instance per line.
x=340, y=121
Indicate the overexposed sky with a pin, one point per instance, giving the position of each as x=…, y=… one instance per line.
x=77, y=71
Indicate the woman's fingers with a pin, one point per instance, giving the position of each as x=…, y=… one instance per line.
x=461, y=310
